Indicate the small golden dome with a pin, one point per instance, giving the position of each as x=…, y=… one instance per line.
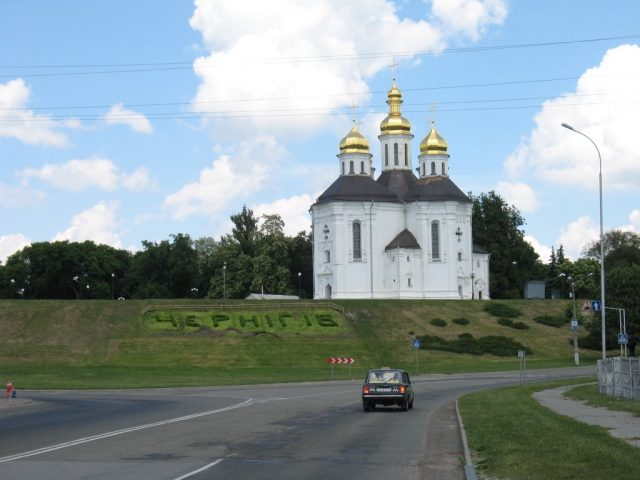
x=433, y=144
x=354, y=142
x=394, y=122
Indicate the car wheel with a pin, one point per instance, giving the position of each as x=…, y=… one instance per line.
x=366, y=406
x=411, y=405
x=404, y=405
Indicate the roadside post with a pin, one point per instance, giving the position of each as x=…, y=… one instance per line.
x=522, y=355
x=417, y=343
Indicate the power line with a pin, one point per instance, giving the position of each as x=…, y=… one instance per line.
x=349, y=94
x=183, y=65
x=290, y=113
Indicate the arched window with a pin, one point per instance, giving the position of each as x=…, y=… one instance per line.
x=361, y=167
x=357, y=242
x=433, y=168
x=424, y=169
x=435, y=240
x=395, y=154
x=409, y=282
x=351, y=167
x=386, y=155
x=459, y=256
x=406, y=155
x=327, y=256
x=443, y=172
x=342, y=167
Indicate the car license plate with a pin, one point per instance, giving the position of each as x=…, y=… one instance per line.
x=383, y=390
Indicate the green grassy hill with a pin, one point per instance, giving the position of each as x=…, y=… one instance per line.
x=105, y=344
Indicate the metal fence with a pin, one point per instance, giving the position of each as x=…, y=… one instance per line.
x=619, y=377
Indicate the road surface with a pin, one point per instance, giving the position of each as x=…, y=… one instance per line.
x=285, y=431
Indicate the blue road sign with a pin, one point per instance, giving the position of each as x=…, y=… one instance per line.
x=417, y=343
x=623, y=338
x=595, y=305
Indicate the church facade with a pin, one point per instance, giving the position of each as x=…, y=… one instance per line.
x=401, y=235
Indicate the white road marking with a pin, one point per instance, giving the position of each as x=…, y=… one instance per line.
x=101, y=436
x=190, y=474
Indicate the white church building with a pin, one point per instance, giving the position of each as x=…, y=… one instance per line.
x=400, y=235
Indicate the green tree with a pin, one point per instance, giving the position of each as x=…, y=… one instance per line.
x=497, y=228
x=245, y=231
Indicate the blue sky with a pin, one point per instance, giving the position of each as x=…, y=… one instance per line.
x=127, y=121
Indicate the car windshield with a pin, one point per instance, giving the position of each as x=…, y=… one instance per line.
x=384, y=376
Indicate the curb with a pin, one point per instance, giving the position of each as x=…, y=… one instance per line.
x=469, y=468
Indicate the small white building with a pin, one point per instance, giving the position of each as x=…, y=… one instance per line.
x=400, y=235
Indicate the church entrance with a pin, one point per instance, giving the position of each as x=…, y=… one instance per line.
x=327, y=291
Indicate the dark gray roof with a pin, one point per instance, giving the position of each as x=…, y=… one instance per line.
x=357, y=188
x=398, y=181
x=435, y=188
x=404, y=239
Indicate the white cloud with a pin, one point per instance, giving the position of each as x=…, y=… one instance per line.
x=575, y=236
x=468, y=17
x=120, y=115
x=15, y=197
x=284, y=56
x=519, y=194
x=543, y=251
x=294, y=211
x=97, y=224
x=634, y=225
x=238, y=174
x=79, y=175
x=10, y=244
x=16, y=121
x=604, y=107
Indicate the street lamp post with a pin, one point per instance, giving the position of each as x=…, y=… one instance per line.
x=574, y=327
x=113, y=277
x=602, y=299
x=224, y=280
x=473, y=291
x=299, y=276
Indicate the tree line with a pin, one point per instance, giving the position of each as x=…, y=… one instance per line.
x=254, y=257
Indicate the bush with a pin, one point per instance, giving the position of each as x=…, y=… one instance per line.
x=507, y=322
x=466, y=343
x=502, y=310
x=460, y=321
x=438, y=322
x=550, y=321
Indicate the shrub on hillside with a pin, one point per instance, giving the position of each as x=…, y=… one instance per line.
x=502, y=310
x=466, y=343
x=438, y=322
x=550, y=321
x=460, y=321
x=507, y=322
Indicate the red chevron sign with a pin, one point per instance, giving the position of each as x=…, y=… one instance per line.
x=339, y=360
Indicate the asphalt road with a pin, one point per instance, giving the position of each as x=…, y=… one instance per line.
x=287, y=431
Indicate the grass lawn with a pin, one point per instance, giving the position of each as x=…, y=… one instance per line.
x=513, y=437
x=589, y=393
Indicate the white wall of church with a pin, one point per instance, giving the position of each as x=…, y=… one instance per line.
x=395, y=273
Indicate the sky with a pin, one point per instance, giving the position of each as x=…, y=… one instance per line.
x=126, y=121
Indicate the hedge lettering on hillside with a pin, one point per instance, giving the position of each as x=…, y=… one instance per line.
x=245, y=321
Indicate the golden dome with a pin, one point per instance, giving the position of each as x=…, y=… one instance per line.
x=433, y=144
x=394, y=122
x=354, y=142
